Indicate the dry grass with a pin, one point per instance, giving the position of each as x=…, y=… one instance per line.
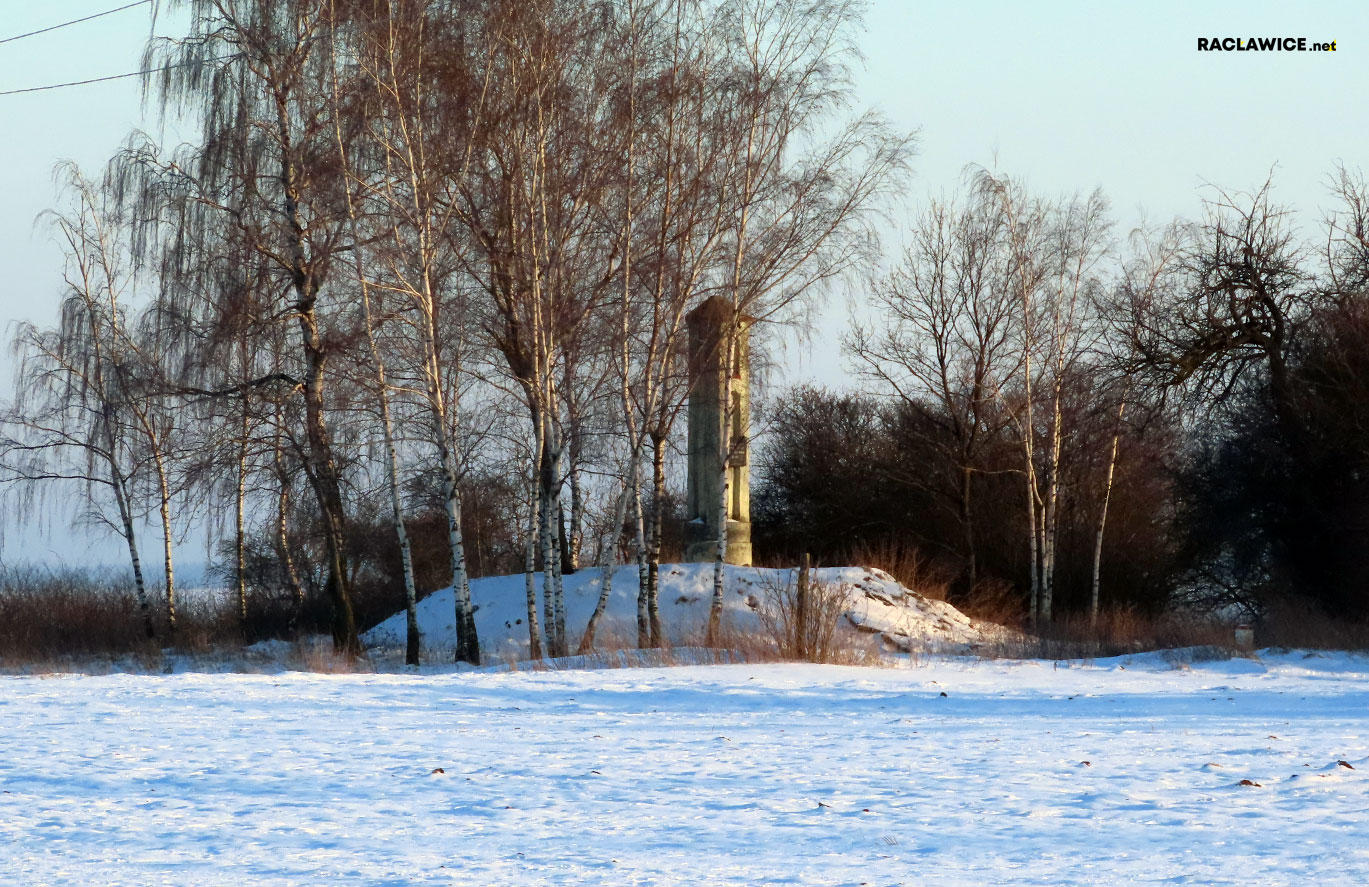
x=1116, y=633
x=316, y=654
x=908, y=566
x=50, y=614
x=1298, y=623
x=742, y=643
x=996, y=602
x=1289, y=623
x=55, y=620
x=64, y=620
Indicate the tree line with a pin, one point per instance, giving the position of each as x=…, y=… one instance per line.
x=421, y=250
x=1069, y=417
x=410, y=308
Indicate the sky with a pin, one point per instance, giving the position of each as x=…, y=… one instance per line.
x=1068, y=96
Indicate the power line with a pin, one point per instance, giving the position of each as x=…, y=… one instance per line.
x=75, y=22
x=222, y=58
x=84, y=82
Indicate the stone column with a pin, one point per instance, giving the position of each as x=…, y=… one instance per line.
x=707, y=363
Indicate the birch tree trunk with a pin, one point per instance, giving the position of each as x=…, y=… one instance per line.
x=239, y=525
x=553, y=606
x=530, y=580
x=164, y=510
x=575, y=529
x=554, y=518
x=157, y=450
x=296, y=587
x=467, y=641
x=543, y=543
x=608, y=563
x=1028, y=425
x=140, y=587
x=1050, y=518
x=640, y=547
x=715, y=609
x=118, y=483
x=320, y=467
x=658, y=496
x=445, y=417
x=1103, y=518
x=1032, y=546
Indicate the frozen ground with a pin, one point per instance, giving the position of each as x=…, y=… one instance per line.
x=877, y=604
x=1119, y=772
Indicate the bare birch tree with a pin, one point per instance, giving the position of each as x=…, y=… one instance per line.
x=799, y=204
x=1054, y=254
x=73, y=419
x=255, y=73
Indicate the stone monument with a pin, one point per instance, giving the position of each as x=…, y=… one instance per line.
x=707, y=363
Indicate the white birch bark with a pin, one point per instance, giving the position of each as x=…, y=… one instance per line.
x=653, y=584
x=158, y=452
x=715, y=610
x=1103, y=518
x=240, y=528
x=1050, y=518
x=292, y=579
x=609, y=562
x=554, y=521
x=164, y=509
x=126, y=518
x=530, y=566
x=643, y=566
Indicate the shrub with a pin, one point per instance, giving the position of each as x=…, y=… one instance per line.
x=802, y=614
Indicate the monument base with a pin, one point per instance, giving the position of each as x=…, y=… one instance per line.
x=701, y=543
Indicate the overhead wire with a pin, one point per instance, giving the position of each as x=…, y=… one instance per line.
x=85, y=82
x=91, y=80
x=76, y=21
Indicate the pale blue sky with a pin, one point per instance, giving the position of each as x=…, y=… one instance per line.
x=1068, y=95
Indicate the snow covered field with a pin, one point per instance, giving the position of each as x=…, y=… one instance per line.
x=1123, y=771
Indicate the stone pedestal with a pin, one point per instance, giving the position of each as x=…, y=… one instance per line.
x=709, y=325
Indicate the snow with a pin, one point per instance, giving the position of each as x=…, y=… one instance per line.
x=879, y=604
x=1119, y=771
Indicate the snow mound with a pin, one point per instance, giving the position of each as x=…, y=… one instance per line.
x=879, y=605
